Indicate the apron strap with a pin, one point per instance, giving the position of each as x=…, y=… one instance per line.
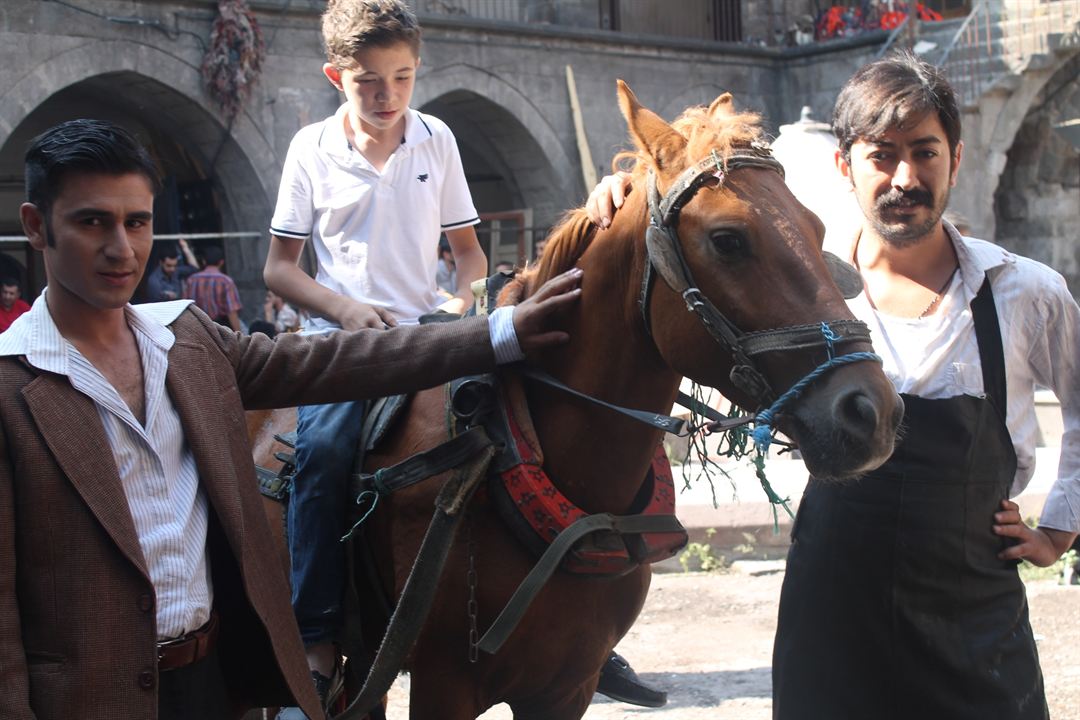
x=992, y=356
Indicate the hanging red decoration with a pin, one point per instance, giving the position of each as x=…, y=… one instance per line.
x=234, y=59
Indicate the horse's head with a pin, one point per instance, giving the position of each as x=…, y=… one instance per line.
x=727, y=240
x=714, y=271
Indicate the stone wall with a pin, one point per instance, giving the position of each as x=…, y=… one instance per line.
x=1037, y=203
x=502, y=89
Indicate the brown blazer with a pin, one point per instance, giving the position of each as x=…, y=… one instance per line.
x=77, y=635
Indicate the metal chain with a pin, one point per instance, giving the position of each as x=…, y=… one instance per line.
x=471, y=606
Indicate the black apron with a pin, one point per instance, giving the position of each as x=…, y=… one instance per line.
x=894, y=603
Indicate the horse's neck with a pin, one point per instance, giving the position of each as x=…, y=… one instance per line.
x=597, y=457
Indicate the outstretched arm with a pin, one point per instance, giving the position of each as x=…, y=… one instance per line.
x=188, y=254
x=297, y=369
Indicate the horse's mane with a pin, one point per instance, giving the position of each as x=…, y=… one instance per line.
x=722, y=131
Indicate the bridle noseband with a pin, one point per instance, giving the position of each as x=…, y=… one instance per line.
x=665, y=257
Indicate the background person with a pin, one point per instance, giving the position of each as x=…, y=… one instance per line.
x=446, y=272
x=280, y=313
x=11, y=303
x=213, y=291
x=166, y=281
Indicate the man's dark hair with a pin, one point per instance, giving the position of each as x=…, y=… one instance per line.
x=167, y=251
x=897, y=91
x=212, y=255
x=82, y=146
x=9, y=282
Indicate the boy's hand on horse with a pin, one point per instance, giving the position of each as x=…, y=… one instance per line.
x=1039, y=546
x=357, y=316
x=535, y=316
x=607, y=197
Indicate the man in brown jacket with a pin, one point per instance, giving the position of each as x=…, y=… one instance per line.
x=137, y=575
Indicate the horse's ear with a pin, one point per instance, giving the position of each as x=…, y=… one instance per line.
x=722, y=106
x=649, y=131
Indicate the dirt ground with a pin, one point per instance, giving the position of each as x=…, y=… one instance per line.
x=707, y=639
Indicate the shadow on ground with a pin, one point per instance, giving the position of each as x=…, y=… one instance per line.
x=704, y=689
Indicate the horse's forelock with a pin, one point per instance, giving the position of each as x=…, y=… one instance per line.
x=703, y=132
x=717, y=132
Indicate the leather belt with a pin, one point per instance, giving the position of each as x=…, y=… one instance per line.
x=190, y=647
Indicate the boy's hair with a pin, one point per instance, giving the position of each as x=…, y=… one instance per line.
x=82, y=146
x=896, y=91
x=9, y=282
x=349, y=26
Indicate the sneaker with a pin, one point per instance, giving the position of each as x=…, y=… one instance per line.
x=328, y=688
x=619, y=682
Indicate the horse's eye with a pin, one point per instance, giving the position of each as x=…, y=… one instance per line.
x=729, y=243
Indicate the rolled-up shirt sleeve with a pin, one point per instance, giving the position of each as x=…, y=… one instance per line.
x=1057, y=362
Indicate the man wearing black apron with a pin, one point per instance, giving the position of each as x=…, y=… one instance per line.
x=901, y=598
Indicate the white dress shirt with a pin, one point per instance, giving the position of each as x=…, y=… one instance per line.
x=938, y=356
x=155, y=464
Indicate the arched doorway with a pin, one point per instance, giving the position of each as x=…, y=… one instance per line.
x=1037, y=201
x=210, y=186
x=512, y=182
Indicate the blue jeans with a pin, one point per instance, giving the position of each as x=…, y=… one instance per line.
x=326, y=439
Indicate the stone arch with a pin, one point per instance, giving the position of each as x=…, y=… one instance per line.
x=509, y=130
x=1037, y=200
x=163, y=90
x=989, y=133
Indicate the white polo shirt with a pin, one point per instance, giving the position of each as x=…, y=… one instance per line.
x=375, y=234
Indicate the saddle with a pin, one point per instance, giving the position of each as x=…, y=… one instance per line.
x=484, y=410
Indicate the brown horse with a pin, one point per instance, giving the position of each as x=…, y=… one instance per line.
x=755, y=254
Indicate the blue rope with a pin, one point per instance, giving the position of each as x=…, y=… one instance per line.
x=830, y=337
x=359, y=498
x=762, y=434
x=763, y=430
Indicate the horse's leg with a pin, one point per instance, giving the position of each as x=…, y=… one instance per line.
x=571, y=706
x=442, y=696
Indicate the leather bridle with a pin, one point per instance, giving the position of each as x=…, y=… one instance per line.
x=666, y=259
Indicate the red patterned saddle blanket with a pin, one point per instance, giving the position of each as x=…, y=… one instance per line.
x=538, y=511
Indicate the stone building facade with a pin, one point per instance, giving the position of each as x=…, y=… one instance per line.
x=500, y=85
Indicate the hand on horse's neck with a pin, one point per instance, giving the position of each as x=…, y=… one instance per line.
x=905, y=281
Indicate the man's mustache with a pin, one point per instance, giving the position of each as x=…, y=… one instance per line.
x=900, y=198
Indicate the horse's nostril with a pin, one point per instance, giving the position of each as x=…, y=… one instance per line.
x=858, y=413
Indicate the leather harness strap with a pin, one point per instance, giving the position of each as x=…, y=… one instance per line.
x=534, y=582
x=675, y=426
x=451, y=454
x=418, y=594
